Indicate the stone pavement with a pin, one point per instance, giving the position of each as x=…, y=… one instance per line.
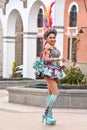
x=24, y=117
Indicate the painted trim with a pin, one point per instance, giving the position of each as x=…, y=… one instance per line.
x=73, y=3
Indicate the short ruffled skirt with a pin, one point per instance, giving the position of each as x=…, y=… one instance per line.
x=50, y=70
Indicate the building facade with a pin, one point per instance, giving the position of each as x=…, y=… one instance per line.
x=75, y=23
x=22, y=28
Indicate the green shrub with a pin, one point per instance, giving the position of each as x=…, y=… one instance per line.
x=73, y=76
x=14, y=75
x=14, y=66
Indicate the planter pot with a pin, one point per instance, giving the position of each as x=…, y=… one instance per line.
x=68, y=98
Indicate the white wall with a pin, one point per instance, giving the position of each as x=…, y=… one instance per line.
x=59, y=23
x=29, y=19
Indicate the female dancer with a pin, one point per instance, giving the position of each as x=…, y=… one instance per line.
x=52, y=71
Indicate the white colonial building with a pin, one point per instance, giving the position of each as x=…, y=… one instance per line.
x=21, y=32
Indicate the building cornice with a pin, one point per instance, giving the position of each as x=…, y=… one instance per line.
x=3, y=5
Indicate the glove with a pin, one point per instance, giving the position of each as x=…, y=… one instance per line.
x=57, y=59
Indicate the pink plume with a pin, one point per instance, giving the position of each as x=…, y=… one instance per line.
x=50, y=17
x=51, y=6
x=48, y=20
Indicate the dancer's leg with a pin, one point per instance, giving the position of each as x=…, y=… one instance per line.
x=52, y=86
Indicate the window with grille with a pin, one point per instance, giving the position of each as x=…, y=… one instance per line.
x=40, y=18
x=73, y=16
x=73, y=49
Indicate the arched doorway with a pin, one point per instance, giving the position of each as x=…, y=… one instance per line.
x=13, y=42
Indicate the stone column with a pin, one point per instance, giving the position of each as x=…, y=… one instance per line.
x=29, y=54
x=8, y=55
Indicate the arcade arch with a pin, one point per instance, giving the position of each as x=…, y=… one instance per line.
x=13, y=42
x=17, y=28
x=30, y=39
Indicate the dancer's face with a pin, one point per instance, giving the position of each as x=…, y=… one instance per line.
x=51, y=39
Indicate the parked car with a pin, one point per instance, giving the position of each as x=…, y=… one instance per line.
x=19, y=70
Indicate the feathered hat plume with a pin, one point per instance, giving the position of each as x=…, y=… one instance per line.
x=48, y=20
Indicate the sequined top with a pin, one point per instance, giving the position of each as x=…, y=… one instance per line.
x=54, y=53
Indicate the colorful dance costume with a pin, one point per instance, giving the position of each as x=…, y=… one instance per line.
x=54, y=71
x=50, y=69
